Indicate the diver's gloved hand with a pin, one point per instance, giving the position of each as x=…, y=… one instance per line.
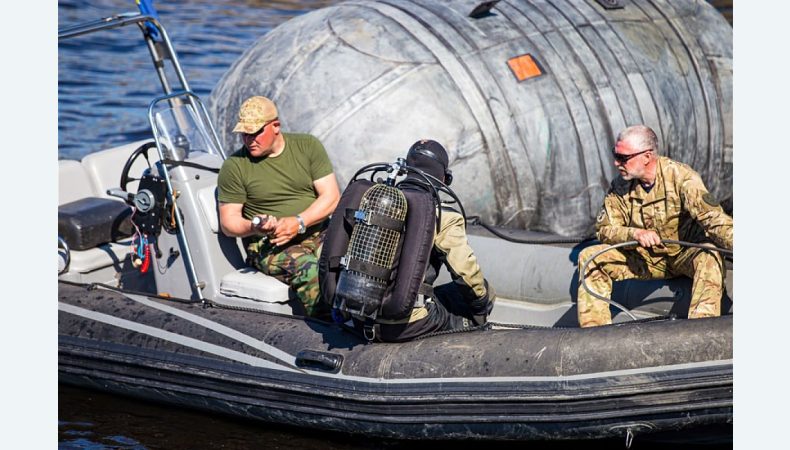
x=482, y=307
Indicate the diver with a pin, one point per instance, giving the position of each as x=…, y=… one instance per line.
x=655, y=198
x=463, y=303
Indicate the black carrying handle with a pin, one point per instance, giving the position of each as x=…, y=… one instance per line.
x=323, y=361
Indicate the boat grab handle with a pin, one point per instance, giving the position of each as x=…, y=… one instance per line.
x=67, y=251
x=323, y=361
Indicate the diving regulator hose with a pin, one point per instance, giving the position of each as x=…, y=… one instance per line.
x=475, y=220
x=583, y=267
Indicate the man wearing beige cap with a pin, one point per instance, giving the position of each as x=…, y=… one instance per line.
x=275, y=193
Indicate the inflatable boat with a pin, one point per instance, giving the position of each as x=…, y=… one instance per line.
x=527, y=96
x=155, y=302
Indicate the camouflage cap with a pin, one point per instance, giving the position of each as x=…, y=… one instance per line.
x=254, y=113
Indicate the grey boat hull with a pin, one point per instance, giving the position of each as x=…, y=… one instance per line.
x=509, y=384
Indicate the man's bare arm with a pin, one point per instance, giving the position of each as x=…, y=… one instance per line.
x=328, y=195
x=235, y=225
x=326, y=202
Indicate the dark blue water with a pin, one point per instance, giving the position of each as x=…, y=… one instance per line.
x=106, y=79
x=94, y=420
x=105, y=83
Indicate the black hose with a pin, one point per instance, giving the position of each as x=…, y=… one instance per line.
x=437, y=201
x=378, y=166
x=374, y=168
x=475, y=220
x=446, y=189
x=433, y=184
x=173, y=163
x=583, y=267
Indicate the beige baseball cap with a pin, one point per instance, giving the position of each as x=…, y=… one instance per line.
x=254, y=113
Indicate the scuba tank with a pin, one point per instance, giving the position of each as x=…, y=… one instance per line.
x=375, y=240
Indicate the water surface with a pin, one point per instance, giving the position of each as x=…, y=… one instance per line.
x=94, y=420
x=106, y=79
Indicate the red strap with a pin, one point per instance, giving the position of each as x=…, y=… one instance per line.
x=147, y=259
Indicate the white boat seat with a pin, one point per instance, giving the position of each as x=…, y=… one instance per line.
x=99, y=257
x=99, y=264
x=207, y=197
x=104, y=167
x=246, y=286
x=73, y=181
x=251, y=284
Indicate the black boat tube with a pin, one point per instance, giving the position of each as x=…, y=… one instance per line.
x=495, y=384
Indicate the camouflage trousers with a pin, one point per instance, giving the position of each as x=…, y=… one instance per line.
x=294, y=264
x=704, y=267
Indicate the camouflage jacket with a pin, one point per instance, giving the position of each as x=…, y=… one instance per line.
x=678, y=207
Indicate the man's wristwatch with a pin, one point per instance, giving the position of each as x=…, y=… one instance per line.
x=302, y=228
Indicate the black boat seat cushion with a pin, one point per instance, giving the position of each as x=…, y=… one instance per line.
x=93, y=221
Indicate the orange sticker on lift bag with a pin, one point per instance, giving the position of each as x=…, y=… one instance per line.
x=524, y=67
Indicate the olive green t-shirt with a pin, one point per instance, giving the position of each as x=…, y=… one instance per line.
x=280, y=186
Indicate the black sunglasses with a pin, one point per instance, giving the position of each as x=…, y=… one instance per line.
x=622, y=159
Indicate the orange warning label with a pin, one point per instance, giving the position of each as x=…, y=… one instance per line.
x=524, y=67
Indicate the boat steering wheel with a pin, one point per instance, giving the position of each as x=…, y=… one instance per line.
x=141, y=150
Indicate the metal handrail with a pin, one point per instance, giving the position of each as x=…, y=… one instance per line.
x=107, y=23
x=120, y=20
x=66, y=249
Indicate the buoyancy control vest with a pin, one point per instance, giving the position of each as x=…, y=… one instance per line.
x=412, y=253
